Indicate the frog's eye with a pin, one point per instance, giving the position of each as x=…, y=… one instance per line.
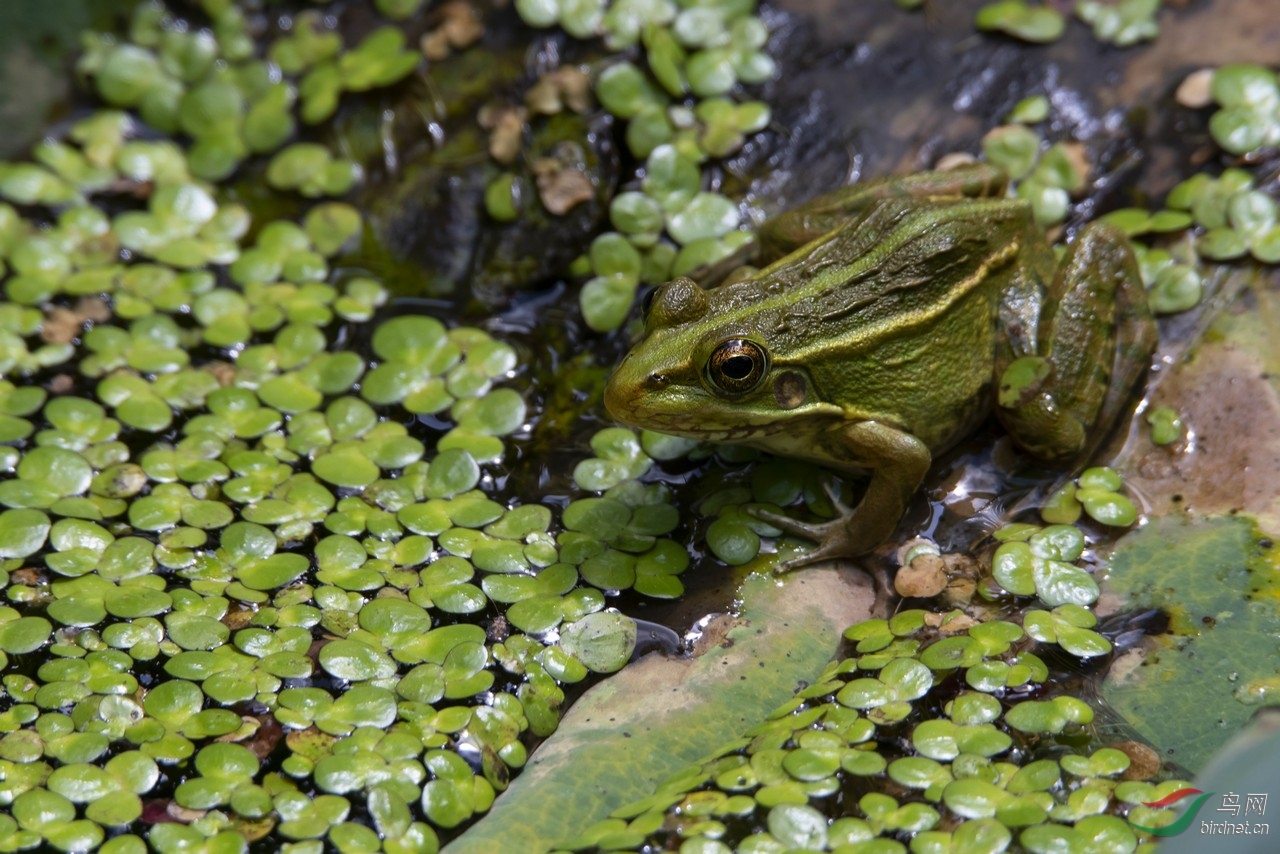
x=647, y=303
x=737, y=366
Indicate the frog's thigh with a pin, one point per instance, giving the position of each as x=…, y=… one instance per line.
x=898, y=463
x=1096, y=336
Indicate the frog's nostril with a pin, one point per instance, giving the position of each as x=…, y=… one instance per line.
x=656, y=379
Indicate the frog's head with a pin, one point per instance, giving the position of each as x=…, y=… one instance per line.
x=699, y=372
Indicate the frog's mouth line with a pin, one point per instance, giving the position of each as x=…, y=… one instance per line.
x=684, y=424
x=687, y=426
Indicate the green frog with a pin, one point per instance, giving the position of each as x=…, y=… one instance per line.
x=886, y=321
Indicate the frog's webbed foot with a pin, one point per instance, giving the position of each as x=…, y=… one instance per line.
x=834, y=541
x=851, y=533
x=832, y=536
x=897, y=462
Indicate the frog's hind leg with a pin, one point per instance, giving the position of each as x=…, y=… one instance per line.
x=1094, y=342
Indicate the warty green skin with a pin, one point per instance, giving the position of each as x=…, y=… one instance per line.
x=889, y=334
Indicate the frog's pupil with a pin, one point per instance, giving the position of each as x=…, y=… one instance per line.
x=738, y=367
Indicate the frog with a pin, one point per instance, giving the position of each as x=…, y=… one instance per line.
x=882, y=323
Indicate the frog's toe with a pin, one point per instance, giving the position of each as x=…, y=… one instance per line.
x=829, y=536
x=820, y=532
x=831, y=486
x=825, y=550
x=816, y=531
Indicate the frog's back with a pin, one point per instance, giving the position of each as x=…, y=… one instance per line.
x=893, y=317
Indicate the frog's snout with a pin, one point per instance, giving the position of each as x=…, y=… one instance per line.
x=616, y=399
x=627, y=388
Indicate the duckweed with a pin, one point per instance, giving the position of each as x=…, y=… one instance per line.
x=1016, y=18
x=1206, y=220
x=1125, y=23
x=1166, y=425
x=677, y=116
x=276, y=585
x=958, y=788
x=1249, y=118
x=242, y=511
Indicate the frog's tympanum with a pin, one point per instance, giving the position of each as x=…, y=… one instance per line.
x=889, y=318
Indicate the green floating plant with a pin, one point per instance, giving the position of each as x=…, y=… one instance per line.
x=1123, y=24
x=677, y=115
x=1039, y=564
x=1096, y=492
x=1219, y=219
x=956, y=787
x=1166, y=425
x=185, y=550
x=1030, y=110
x=1045, y=177
x=1249, y=118
x=1031, y=23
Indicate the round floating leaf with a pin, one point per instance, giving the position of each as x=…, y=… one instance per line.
x=732, y=539
x=1013, y=568
x=127, y=74
x=447, y=802
x=707, y=215
x=1177, y=288
x=610, y=570
x=1109, y=508
x=22, y=532
x=331, y=225
x=536, y=615
x=1061, y=508
x=635, y=213
x=811, y=764
x=1100, y=478
x=392, y=618
x=798, y=826
x=520, y=522
x=450, y=473
x=603, y=641
x=1050, y=716
x=538, y=13
x=196, y=631
x=604, y=518
x=1058, y=542
x=611, y=254
x=1166, y=425
x=115, y=809
x=1013, y=148
x=1058, y=583
x=605, y=301
x=1038, y=24
x=624, y=90
x=290, y=393
x=25, y=634
x=346, y=466
x=354, y=661
x=133, y=602
x=863, y=763
x=81, y=783
x=276, y=571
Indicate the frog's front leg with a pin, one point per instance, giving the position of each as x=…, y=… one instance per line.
x=897, y=462
x=1093, y=344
